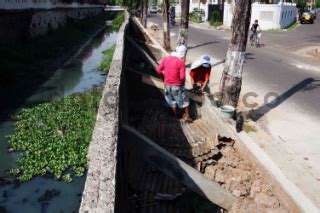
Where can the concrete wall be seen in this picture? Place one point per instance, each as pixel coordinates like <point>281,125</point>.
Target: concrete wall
<point>21,25</point>
<point>100,189</point>
<point>270,16</point>
<point>47,4</point>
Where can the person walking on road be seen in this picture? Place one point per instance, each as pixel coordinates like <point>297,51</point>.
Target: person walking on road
<point>200,74</point>
<point>173,70</point>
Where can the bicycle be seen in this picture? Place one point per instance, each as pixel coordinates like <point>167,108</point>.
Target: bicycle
<point>254,39</point>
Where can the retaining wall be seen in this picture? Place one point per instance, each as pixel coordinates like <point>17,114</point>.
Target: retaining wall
<point>100,188</point>
<point>21,25</point>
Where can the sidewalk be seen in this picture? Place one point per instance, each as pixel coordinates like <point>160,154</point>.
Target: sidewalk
<point>298,177</point>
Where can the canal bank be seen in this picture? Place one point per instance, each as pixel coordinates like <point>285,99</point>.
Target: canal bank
<point>43,194</point>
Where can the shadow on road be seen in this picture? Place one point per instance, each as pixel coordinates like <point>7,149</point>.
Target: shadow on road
<point>305,85</point>
<point>203,44</point>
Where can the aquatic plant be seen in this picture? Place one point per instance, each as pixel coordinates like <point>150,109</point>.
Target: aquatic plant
<point>117,21</point>
<point>53,138</point>
<point>106,59</point>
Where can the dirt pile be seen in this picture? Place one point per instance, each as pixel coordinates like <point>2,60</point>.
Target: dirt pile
<point>246,183</point>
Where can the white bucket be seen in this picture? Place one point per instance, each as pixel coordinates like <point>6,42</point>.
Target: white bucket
<point>227,111</point>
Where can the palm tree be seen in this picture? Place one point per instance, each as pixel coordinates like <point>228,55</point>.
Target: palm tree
<point>231,80</point>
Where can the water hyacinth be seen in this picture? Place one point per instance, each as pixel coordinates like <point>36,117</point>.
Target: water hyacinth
<point>54,137</point>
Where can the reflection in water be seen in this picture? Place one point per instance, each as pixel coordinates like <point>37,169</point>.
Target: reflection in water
<point>77,76</point>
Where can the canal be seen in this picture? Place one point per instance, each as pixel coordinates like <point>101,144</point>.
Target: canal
<point>44,194</point>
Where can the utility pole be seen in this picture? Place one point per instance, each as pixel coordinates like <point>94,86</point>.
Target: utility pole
<point>231,79</point>
<point>166,30</point>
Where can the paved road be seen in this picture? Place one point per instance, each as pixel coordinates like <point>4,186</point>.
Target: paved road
<point>294,122</point>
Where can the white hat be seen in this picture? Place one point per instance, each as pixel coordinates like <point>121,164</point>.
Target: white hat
<point>181,51</point>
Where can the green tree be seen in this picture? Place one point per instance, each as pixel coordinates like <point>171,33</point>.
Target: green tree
<point>301,4</point>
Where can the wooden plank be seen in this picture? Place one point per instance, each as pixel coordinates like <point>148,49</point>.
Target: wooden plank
<point>144,54</point>
<point>158,83</point>
<point>147,150</point>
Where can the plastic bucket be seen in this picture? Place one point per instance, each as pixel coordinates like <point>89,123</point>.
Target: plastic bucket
<point>227,111</point>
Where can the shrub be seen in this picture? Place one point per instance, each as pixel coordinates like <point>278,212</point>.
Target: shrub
<point>215,19</point>
<point>196,15</point>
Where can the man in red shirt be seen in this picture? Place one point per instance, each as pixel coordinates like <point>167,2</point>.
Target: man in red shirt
<point>200,73</point>
<point>173,70</point>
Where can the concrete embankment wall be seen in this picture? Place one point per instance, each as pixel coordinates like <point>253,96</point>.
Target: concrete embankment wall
<point>18,24</point>
<point>100,188</point>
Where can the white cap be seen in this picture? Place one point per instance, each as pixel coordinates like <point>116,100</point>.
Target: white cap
<point>181,51</point>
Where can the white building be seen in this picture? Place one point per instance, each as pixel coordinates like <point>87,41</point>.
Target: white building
<point>197,4</point>
<point>270,16</point>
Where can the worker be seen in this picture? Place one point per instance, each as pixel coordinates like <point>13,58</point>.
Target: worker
<point>173,70</point>
<point>200,74</point>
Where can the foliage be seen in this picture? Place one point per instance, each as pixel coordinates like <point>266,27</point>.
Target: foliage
<point>118,2</point>
<point>215,16</point>
<point>300,3</point>
<point>107,59</point>
<point>54,137</point>
<point>215,19</point>
<point>117,21</point>
<point>196,15</point>
<point>317,4</point>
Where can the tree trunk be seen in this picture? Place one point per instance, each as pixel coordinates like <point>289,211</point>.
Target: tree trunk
<point>184,24</point>
<point>231,80</point>
<point>145,12</point>
<point>141,10</point>
<point>166,30</point>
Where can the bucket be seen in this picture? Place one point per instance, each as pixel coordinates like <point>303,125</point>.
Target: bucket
<point>227,111</point>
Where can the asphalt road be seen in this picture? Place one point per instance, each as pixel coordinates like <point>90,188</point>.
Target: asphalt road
<point>275,67</point>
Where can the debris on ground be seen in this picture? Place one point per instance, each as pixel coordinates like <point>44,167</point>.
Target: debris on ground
<point>246,183</point>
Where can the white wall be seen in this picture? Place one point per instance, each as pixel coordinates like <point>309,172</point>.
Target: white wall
<point>270,16</point>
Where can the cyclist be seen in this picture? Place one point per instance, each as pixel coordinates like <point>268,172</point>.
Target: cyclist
<point>254,36</point>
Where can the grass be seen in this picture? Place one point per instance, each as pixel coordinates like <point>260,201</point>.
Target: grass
<point>108,53</point>
<point>118,20</point>
<point>107,59</point>
<point>249,128</point>
<point>291,28</point>
<point>54,137</point>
